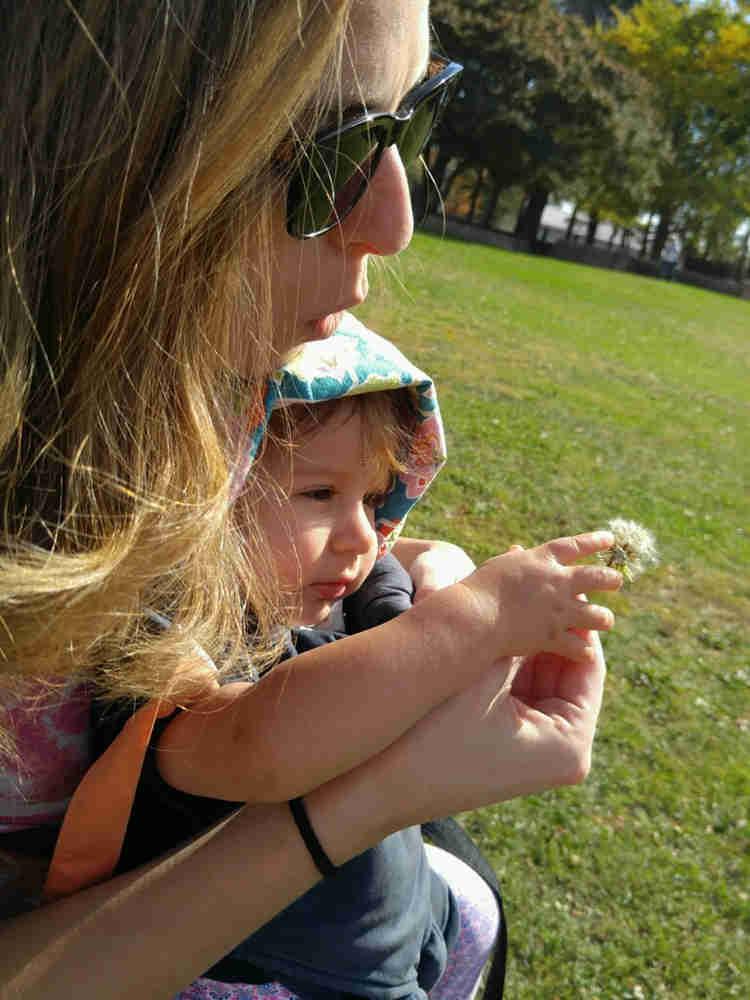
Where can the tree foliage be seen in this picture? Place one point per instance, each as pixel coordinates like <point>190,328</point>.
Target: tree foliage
<point>696,58</point>
<point>628,110</point>
<point>542,103</point>
<point>596,11</point>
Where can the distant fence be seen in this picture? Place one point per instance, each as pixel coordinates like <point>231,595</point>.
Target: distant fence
<point>595,255</point>
<point>624,260</point>
<point>474,234</point>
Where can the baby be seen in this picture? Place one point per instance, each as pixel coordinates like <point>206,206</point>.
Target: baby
<point>387,920</point>
<point>319,507</point>
<point>351,439</point>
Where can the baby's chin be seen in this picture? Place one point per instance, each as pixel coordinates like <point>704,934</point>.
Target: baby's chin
<point>328,616</point>
<point>315,618</point>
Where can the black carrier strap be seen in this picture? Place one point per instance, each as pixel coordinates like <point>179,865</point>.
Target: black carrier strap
<point>451,837</point>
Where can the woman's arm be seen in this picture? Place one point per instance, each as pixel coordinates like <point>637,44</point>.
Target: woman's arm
<point>319,715</point>
<point>523,727</point>
<point>526,726</point>
<point>151,932</point>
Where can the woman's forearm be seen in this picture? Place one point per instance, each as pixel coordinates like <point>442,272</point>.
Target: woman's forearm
<point>321,714</point>
<point>153,931</point>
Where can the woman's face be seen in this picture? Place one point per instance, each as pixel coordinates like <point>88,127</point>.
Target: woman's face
<point>315,279</point>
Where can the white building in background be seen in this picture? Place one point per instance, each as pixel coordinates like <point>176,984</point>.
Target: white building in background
<point>556,217</point>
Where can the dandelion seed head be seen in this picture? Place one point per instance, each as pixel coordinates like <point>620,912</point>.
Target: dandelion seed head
<point>634,550</point>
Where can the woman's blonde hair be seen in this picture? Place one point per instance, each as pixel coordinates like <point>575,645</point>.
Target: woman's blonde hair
<point>137,168</point>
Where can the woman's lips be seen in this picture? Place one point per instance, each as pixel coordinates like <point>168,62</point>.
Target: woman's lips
<point>326,326</point>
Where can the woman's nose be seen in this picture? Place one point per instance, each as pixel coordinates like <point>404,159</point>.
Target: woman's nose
<point>382,220</point>
<point>354,531</point>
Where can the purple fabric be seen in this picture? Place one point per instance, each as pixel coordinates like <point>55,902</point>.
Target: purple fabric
<point>51,727</point>
<point>208,989</point>
<point>479,927</point>
<point>480,923</point>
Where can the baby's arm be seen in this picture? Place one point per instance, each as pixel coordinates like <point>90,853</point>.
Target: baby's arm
<point>319,715</point>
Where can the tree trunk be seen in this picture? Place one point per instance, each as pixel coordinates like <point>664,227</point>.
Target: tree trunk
<point>475,195</point>
<point>450,178</point>
<point>591,228</point>
<point>625,238</point>
<point>743,257</point>
<point>571,222</point>
<point>662,232</point>
<point>646,234</point>
<point>419,188</point>
<point>439,168</point>
<point>531,213</point>
<point>612,236</point>
<point>490,205</point>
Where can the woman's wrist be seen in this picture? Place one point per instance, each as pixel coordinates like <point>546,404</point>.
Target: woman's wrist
<point>355,811</point>
<point>241,873</point>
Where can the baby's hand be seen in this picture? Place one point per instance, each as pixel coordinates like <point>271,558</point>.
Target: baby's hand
<point>535,595</point>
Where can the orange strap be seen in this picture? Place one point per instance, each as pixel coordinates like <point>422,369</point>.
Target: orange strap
<point>91,837</point>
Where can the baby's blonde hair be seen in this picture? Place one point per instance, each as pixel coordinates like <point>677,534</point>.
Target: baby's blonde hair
<point>137,166</point>
<point>387,419</point>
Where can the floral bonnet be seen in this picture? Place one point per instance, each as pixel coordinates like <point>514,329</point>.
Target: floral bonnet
<point>356,360</point>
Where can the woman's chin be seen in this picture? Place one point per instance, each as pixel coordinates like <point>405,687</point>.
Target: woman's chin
<point>324,327</point>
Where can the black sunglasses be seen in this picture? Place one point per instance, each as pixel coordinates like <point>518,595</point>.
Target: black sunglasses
<point>336,168</point>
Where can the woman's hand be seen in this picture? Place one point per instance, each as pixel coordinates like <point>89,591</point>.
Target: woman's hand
<point>432,564</point>
<point>526,726</point>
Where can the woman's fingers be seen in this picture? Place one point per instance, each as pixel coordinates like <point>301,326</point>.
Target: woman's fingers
<point>582,684</point>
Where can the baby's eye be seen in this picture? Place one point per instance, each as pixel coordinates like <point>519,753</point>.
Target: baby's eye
<point>322,493</point>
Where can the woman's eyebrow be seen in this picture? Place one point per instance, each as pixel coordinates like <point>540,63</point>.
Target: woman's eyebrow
<point>356,110</point>
<point>424,74</point>
<point>335,116</point>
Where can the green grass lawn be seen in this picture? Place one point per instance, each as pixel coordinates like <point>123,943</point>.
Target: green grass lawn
<point>572,395</point>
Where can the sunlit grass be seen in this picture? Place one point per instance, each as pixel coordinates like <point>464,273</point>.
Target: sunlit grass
<point>573,395</point>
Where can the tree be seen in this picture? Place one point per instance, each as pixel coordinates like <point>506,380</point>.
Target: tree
<point>696,58</point>
<point>619,169</point>
<point>540,98</point>
<point>596,11</point>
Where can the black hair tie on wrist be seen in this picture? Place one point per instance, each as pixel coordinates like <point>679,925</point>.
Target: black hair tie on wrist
<point>322,862</point>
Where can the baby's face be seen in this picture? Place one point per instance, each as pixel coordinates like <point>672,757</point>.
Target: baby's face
<point>320,521</point>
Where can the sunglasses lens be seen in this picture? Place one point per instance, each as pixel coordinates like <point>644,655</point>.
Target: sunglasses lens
<point>417,132</point>
<point>331,179</point>
<point>335,172</point>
